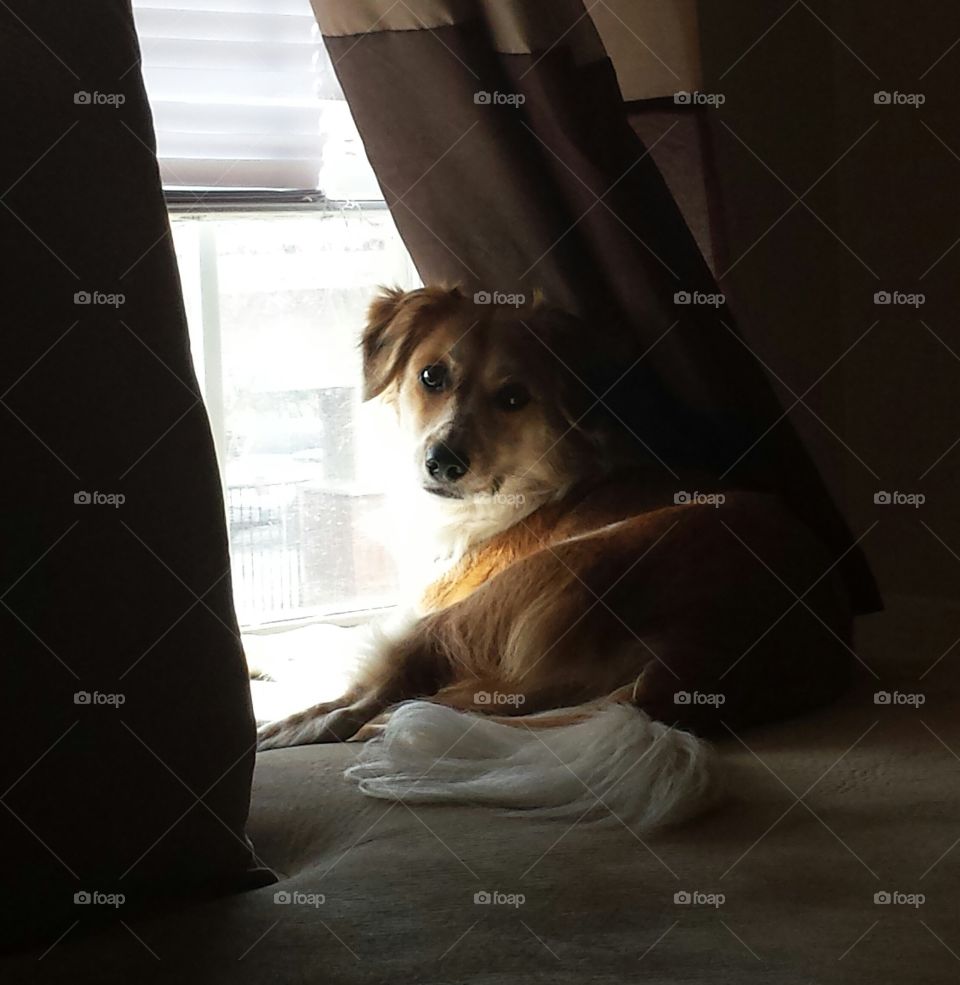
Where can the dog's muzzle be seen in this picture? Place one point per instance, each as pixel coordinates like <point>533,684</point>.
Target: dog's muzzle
<point>445,464</point>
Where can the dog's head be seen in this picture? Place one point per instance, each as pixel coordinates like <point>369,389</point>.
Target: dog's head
<point>491,398</point>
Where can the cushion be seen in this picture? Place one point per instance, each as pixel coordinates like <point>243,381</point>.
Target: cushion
<point>829,818</point>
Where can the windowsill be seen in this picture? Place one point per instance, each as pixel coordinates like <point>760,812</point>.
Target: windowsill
<point>345,619</point>
<point>306,663</point>
<point>253,201</point>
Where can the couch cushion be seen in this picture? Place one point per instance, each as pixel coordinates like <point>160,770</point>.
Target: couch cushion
<point>825,813</point>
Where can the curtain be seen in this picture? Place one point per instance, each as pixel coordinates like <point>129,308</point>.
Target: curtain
<point>500,137</point>
<point>130,747</point>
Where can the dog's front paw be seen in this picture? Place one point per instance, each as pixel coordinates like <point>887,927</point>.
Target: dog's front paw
<point>315,725</point>
<point>276,735</point>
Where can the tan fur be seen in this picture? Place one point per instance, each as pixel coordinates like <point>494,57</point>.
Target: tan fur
<point>596,587</point>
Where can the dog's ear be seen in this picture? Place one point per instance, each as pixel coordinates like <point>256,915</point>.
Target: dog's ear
<point>397,321</point>
<point>378,369</point>
<point>585,362</point>
<point>579,362</point>
<point>616,403</point>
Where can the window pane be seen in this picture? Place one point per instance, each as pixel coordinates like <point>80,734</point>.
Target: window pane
<point>276,304</point>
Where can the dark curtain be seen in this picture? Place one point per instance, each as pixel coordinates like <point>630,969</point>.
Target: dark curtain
<point>129,734</point>
<point>507,156</point>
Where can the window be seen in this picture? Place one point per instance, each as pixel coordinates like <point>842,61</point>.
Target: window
<point>281,236</point>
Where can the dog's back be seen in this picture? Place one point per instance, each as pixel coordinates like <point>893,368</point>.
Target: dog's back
<point>593,605</point>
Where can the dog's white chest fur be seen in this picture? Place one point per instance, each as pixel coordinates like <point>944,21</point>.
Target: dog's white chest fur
<point>435,533</point>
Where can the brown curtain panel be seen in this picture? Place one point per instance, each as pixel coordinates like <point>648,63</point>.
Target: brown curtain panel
<point>500,136</point>
<point>129,733</point>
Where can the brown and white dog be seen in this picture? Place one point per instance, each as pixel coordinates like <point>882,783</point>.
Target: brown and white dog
<point>583,612</point>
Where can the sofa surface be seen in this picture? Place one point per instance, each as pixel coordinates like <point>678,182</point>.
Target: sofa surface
<point>825,813</point>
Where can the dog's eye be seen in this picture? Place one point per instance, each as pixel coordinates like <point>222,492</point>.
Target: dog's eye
<point>434,377</point>
<point>513,396</point>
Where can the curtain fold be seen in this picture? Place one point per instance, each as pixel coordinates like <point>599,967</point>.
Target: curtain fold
<point>504,150</point>
<point>125,696</point>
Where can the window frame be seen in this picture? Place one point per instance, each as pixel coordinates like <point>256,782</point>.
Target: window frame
<point>216,205</point>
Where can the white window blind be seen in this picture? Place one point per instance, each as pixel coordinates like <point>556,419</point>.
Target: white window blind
<point>244,96</point>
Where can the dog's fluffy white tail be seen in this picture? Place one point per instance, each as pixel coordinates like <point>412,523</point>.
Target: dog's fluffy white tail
<point>616,762</point>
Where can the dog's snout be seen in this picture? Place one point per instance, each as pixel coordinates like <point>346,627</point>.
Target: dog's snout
<point>446,464</point>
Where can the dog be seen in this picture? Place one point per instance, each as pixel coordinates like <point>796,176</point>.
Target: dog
<point>590,620</point>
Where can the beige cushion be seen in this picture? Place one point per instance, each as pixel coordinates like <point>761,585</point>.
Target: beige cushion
<point>878,810</point>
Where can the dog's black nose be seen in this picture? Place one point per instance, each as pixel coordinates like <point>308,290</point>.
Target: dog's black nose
<point>445,464</point>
